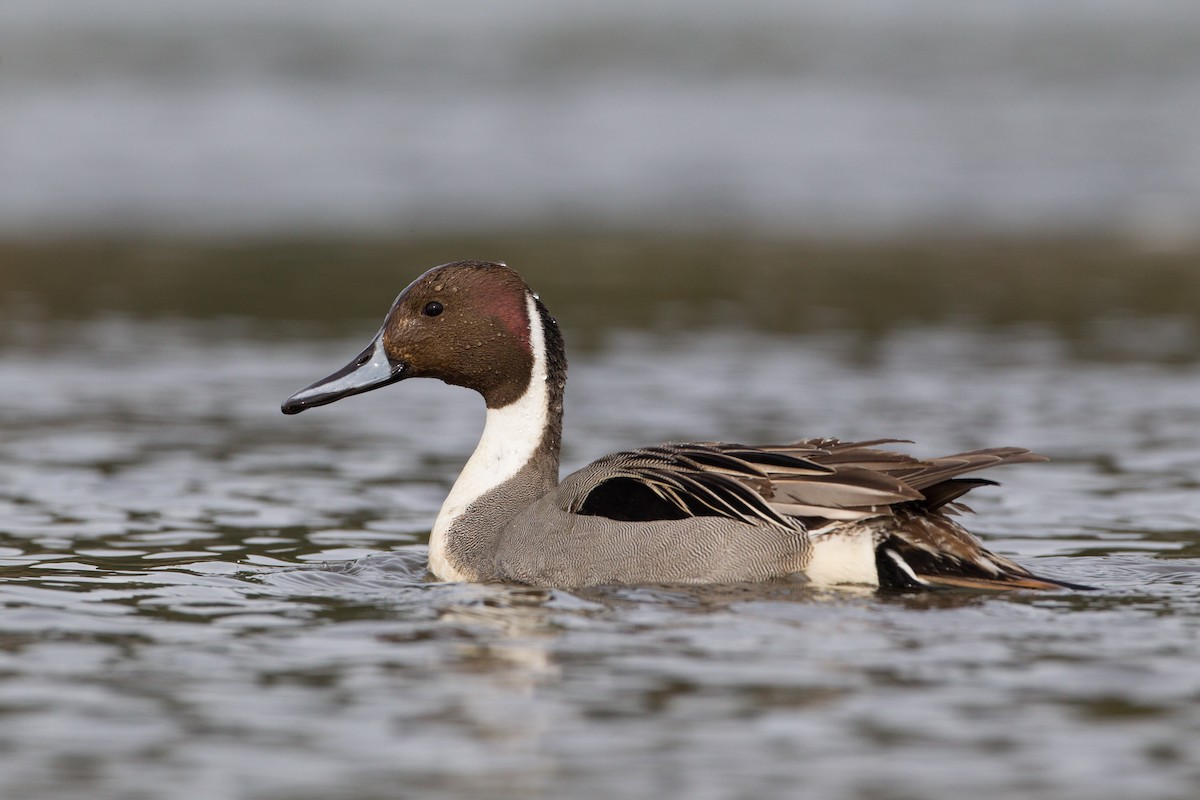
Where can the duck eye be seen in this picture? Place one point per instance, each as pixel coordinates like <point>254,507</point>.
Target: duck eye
<point>432,308</point>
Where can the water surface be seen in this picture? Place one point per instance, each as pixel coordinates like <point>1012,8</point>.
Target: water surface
<point>203,598</point>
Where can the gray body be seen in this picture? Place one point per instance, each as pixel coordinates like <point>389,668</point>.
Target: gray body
<point>530,531</point>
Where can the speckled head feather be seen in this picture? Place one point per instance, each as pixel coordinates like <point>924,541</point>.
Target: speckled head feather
<point>466,324</point>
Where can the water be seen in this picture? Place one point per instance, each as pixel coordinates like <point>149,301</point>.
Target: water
<point>202,598</point>
<point>826,118</point>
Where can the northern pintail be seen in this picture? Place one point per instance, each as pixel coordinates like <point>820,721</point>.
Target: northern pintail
<point>828,511</point>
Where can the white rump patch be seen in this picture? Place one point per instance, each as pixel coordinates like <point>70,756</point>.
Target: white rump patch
<point>845,556</point>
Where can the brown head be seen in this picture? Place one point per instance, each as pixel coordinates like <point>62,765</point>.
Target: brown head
<point>466,323</point>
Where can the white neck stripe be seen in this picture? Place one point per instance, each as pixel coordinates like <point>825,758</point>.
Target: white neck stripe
<point>511,435</point>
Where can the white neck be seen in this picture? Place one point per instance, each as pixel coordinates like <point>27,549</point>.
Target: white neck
<point>511,435</point>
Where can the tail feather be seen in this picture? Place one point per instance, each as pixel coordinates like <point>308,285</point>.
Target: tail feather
<point>1007,583</point>
<point>902,564</point>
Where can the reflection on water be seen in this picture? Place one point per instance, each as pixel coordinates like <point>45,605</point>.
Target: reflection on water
<point>200,597</point>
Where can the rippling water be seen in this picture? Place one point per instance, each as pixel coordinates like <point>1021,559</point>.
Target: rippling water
<point>203,598</point>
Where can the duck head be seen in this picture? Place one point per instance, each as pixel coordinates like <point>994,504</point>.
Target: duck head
<point>466,323</point>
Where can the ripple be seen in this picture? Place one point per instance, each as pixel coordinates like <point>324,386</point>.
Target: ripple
<point>219,594</point>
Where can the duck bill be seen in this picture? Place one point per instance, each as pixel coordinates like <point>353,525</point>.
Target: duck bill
<point>370,370</point>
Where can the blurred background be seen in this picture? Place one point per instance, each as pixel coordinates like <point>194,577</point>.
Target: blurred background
<point>963,223</point>
<point>166,157</point>
<point>864,120</point>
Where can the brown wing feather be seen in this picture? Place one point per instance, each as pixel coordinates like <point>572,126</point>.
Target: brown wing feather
<point>814,479</point>
<point>692,479</point>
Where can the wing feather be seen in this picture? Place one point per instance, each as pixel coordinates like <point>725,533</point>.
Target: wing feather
<point>792,485</point>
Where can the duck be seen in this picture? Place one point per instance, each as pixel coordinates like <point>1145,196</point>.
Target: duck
<point>822,511</point>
